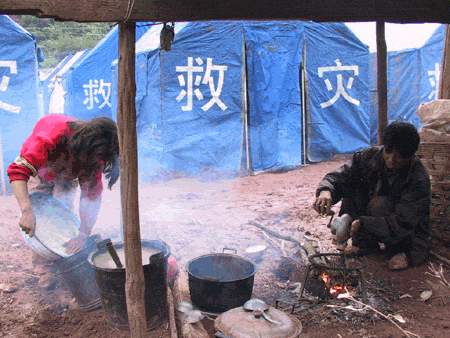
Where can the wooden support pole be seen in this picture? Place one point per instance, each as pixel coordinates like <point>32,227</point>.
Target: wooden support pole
<point>444,92</point>
<point>381,80</point>
<point>126,117</point>
<point>2,168</point>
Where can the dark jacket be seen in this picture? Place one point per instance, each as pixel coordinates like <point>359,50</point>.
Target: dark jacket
<point>408,191</point>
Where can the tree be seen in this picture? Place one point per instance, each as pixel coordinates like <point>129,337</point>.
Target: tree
<point>58,39</point>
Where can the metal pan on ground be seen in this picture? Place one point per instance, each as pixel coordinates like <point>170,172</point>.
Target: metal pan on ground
<point>255,252</point>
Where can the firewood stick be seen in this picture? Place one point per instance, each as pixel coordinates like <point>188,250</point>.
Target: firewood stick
<point>274,233</point>
<point>272,242</point>
<point>277,235</point>
<point>171,309</point>
<point>283,243</point>
<point>176,294</point>
<point>440,258</point>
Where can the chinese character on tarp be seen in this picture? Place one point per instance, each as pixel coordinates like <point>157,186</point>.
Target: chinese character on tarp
<point>97,93</point>
<point>11,67</point>
<point>339,70</point>
<point>196,76</point>
<point>434,77</point>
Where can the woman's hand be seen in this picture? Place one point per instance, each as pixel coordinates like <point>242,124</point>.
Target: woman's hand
<point>323,203</point>
<point>27,222</point>
<point>75,244</point>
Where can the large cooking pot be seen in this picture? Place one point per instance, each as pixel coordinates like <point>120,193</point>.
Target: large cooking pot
<point>221,281</point>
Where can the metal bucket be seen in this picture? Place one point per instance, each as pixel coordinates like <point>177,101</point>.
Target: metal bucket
<point>220,282</point>
<point>79,276</point>
<point>111,282</point>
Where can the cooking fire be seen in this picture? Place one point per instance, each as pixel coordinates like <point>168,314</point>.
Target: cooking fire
<point>330,274</point>
<point>335,288</point>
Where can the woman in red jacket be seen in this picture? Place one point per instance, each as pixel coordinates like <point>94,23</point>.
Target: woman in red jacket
<point>64,152</point>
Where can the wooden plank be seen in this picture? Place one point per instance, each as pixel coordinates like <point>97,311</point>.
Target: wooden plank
<point>381,79</point>
<point>2,168</point>
<point>172,315</point>
<point>126,117</point>
<point>444,92</point>
<point>192,10</point>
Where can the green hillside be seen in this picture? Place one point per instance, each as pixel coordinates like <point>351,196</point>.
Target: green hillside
<point>57,39</point>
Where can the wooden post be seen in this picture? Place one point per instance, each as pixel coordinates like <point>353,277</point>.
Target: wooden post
<point>381,80</point>
<point>2,167</point>
<point>126,117</point>
<point>444,92</point>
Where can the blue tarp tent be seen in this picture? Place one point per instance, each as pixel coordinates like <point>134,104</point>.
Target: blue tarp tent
<point>176,134</point>
<point>274,54</point>
<point>189,102</point>
<point>88,83</point>
<point>192,105</point>
<point>51,85</point>
<point>46,82</point>
<point>18,88</point>
<point>337,65</point>
<point>413,79</point>
<point>431,55</point>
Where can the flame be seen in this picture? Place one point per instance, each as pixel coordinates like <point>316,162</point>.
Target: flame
<point>337,289</point>
<point>326,278</point>
<point>333,289</point>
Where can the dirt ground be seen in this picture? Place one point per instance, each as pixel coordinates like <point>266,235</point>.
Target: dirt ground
<point>196,217</point>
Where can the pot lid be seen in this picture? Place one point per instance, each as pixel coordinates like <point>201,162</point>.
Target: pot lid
<point>238,323</point>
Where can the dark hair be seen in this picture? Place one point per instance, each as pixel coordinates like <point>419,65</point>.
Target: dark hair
<point>402,137</point>
<point>94,142</point>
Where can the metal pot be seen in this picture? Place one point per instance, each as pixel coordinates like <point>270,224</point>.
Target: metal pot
<point>219,282</point>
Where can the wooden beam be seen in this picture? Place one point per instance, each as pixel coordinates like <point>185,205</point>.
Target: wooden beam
<point>444,92</point>
<point>192,10</point>
<point>126,117</point>
<point>381,80</point>
<point>2,168</point>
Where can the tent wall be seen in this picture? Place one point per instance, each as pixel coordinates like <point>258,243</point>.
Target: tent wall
<point>274,51</point>
<point>337,65</point>
<point>413,79</point>
<point>177,135</point>
<point>431,56</point>
<point>189,104</point>
<point>19,108</point>
<point>46,84</point>
<point>88,85</point>
<point>180,136</point>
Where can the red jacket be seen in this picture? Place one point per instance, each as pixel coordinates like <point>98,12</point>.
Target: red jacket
<point>34,156</point>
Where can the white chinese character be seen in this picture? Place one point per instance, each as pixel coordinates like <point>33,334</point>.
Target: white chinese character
<point>340,90</point>
<point>95,88</point>
<point>207,79</point>
<point>434,77</point>
<point>105,92</point>
<point>215,92</point>
<point>4,83</point>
